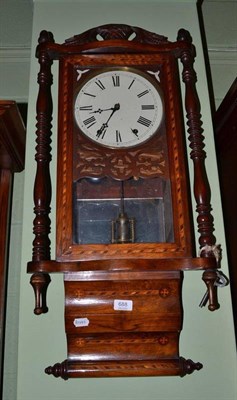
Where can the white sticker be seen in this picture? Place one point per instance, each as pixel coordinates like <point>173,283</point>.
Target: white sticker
<point>78,322</point>
<point>123,305</point>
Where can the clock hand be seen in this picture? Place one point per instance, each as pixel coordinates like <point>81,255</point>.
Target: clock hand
<point>101,110</point>
<point>105,125</point>
<point>135,131</point>
<point>115,108</point>
<point>101,130</point>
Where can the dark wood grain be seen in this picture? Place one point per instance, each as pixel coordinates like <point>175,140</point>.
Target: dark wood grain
<point>167,367</point>
<point>42,185</point>
<point>201,189</point>
<point>136,265</point>
<point>126,346</point>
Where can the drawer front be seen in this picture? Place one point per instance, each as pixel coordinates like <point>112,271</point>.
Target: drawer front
<point>122,322</point>
<point>146,296</point>
<point>123,306</point>
<point>129,346</point>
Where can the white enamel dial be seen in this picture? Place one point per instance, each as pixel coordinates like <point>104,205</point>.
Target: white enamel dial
<point>118,108</point>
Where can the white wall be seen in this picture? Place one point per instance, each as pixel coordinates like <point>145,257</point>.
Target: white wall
<point>206,337</point>
<point>220,20</point>
<point>15,43</point>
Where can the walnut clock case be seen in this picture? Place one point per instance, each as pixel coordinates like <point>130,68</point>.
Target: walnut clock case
<point>124,232</point>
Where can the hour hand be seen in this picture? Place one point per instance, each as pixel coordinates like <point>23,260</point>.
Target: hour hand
<point>97,111</point>
<point>100,110</point>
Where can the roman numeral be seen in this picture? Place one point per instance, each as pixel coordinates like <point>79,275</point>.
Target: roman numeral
<point>118,137</point>
<point>143,93</point>
<point>89,94</point>
<point>148,107</point>
<point>89,121</point>
<point>116,80</point>
<point>144,121</point>
<point>85,108</point>
<point>129,87</point>
<point>100,84</point>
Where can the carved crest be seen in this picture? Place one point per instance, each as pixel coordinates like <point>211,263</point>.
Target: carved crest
<point>116,31</point>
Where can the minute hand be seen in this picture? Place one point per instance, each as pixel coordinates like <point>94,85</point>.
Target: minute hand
<point>115,108</point>
<point>105,125</point>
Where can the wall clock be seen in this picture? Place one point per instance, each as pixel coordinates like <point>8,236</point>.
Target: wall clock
<point>124,230</point>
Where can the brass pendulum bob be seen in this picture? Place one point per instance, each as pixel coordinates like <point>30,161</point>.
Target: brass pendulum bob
<point>123,228</point>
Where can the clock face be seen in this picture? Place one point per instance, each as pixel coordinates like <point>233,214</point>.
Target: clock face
<point>118,108</point>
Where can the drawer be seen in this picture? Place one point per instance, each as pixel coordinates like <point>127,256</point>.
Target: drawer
<point>130,346</point>
<point>123,306</point>
<point>149,296</point>
<point>122,322</point>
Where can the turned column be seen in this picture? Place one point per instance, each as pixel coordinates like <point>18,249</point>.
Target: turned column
<point>42,186</point>
<point>201,187</point>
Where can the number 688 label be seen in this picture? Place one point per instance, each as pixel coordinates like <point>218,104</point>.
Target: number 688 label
<point>123,305</point>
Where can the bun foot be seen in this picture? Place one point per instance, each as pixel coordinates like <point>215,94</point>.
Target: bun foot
<point>58,370</point>
<point>188,366</point>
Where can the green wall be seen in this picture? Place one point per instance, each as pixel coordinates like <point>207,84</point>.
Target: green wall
<point>206,337</point>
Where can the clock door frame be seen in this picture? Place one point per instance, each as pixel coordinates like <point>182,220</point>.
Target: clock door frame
<point>166,64</point>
